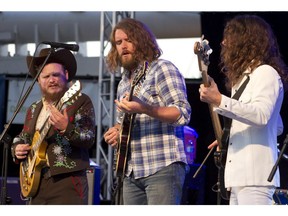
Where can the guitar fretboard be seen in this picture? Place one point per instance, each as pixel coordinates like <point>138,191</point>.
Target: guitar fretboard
<point>46,127</point>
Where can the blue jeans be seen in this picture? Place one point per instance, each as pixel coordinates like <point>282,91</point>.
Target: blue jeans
<point>162,188</point>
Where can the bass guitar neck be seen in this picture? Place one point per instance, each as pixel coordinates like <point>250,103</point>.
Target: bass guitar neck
<point>203,50</point>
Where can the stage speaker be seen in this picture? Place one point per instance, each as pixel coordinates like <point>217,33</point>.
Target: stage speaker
<point>93,176</point>
<point>13,191</point>
<point>194,188</point>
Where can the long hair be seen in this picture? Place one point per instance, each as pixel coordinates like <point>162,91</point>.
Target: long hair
<point>146,47</point>
<point>248,41</point>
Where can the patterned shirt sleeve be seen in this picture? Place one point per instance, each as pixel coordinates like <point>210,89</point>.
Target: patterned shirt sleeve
<point>81,127</point>
<point>172,88</point>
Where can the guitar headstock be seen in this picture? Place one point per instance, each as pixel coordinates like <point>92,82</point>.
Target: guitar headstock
<point>73,92</point>
<point>140,74</point>
<point>202,50</point>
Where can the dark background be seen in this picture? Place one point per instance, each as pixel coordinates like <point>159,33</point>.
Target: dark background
<point>212,27</point>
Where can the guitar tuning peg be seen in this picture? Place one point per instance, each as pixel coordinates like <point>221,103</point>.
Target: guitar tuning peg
<point>202,37</point>
<point>206,47</point>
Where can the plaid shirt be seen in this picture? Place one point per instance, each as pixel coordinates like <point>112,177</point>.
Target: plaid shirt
<point>155,144</point>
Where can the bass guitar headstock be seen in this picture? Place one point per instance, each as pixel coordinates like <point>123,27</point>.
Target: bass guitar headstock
<point>203,51</point>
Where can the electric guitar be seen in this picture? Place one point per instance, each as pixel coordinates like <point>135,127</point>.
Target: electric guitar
<point>30,168</point>
<point>203,50</point>
<point>126,128</point>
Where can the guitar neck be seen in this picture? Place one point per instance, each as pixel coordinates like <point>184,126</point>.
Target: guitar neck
<point>131,93</point>
<point>216,125</point>
<point>46,127</point>
<point>214,116</point>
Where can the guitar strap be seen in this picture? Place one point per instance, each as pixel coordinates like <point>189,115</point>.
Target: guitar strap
<point>228,121</point>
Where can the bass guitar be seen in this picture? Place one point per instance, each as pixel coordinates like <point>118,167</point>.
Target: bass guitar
<point>203,50</point>
<point>30,168</point>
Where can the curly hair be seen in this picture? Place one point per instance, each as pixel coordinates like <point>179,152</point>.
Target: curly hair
<point>248,41</point>
<point>146,47</point>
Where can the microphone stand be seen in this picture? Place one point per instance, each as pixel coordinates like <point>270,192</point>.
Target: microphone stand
<point>7,140</point>
<point>272,173</point>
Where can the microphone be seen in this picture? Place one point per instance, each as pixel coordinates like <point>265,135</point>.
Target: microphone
<point>72,47</point>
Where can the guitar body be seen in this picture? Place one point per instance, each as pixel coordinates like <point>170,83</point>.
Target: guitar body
<point>220,160</point>
<point>122,148</point>
<point>30,169</point>
<point>221,154</point>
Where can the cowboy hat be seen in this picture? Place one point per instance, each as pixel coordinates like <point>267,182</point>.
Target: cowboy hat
<point>61,56</point>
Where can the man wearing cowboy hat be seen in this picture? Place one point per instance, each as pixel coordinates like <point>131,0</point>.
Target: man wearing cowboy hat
<point>69,130</point>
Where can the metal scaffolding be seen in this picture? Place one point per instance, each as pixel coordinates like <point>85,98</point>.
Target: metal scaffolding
<point>105,105</point>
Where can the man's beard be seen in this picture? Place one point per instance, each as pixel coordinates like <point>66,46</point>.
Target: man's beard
<point>129,64</point>
<point>54,96</point>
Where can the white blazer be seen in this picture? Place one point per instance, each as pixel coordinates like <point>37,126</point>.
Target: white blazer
<point>252,149</point>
